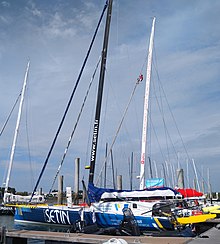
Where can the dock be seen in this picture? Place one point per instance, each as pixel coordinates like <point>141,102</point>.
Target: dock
<point>211,236</point>
<point>22,236</point>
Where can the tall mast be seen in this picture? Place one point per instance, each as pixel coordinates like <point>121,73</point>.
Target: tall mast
<point>17,128</point>
<point>99,96</point>
<point>209,185</point>
<point>146,102</point>
<point>197,181</point>
<point>131,171</point>
<point>113,171</point>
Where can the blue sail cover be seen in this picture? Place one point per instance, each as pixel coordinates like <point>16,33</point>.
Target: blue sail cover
<point>95,194</point>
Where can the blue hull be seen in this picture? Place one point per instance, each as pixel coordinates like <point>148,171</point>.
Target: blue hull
<point>145,223</point>
<point>51,215</point>
<point>64,216</point>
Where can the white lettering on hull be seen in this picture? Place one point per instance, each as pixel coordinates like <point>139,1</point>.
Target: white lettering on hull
<point>57,216</point>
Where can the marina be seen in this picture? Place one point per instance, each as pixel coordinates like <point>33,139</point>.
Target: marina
<point>170,202</point>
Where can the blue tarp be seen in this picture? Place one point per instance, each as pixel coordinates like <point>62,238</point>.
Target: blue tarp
<point>95,193</point>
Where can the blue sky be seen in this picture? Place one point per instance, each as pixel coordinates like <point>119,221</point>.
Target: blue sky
<point>55,36</point>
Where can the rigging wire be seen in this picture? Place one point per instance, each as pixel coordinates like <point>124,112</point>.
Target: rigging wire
<point>28,142</point>
<point>139,79</point>
<point>6,122</point>
<point>118,106</point>
<point>70,100</point>
<point>75,126</point>
<point>4,126</point>
<point>175,123</point>
<point>120,124</point>
<point>161,151</point>
<point>166,130</point>
<point>162,112</point>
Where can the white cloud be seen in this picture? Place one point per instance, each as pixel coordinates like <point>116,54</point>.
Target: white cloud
<point>31,7</point>
<point>4,19</point>
<point>59,27</point>
<point>5,4</point>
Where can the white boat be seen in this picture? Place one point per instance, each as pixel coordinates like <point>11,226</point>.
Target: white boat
<point>108,211</point>
<point>148,211</point>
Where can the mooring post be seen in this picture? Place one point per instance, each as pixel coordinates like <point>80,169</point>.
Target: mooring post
<point>119,182</point>
<point>3,234</point>
<point>60,190</point>
<point>76,184</point>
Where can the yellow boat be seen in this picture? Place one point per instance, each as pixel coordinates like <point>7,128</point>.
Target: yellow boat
<point>193,219</point>
<point>212,210</point>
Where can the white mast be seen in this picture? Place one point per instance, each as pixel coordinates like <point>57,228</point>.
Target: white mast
<point>146,101</point>
<point>194,166</point>
<point>187,171</point>
<point>16,128</point>
<point>209,185</point>
<point>156,171</point>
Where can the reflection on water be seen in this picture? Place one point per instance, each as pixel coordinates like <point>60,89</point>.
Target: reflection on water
<point>8,222</point>
<point>20,226</point>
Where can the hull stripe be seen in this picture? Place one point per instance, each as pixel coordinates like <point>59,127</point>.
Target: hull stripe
<point>158,223</point>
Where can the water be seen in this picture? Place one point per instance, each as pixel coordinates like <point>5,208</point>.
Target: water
<point>8,221</point>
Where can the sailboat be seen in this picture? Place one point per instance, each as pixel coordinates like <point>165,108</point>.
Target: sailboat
<point>69,215</point>
<point>10,199</point>
<point>111,208</point>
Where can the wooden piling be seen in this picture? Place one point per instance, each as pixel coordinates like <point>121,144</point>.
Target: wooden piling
<point>76,183</point>
<point>119,182</point>
<point>60,190</point>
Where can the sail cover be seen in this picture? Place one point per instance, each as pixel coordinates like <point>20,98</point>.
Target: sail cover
<point>96,194</point>
<point>189,192</point>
